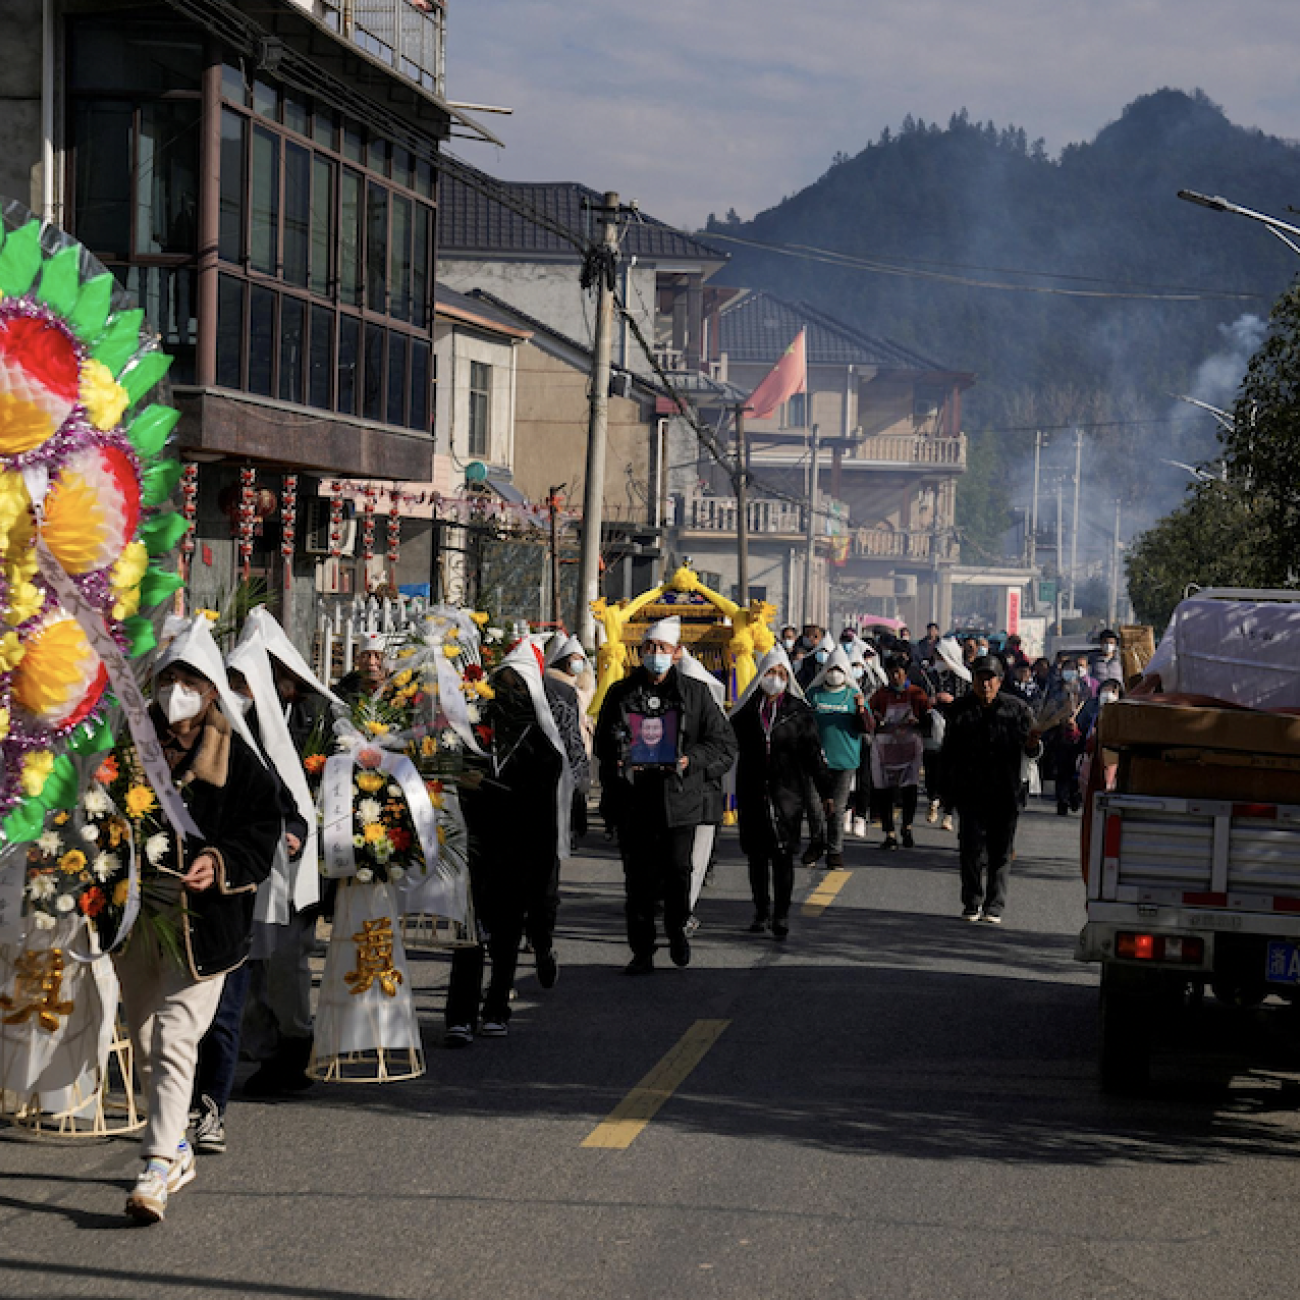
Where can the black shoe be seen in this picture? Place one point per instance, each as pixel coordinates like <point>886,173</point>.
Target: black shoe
<point>908,841</point>
<point>889,842</point>
<point>268,1080</point>
<point>759,923</point>
<point>679,949</point>
<point>640,966</point>
<point>458,1036</point>
<point>780,927</point>
<point>1062,810</point>
<point>548,968</point>
<point>812,853</point>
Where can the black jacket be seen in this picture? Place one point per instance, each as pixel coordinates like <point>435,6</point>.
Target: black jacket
<point>703,737</point>
<point>982,753</point>
<point>770,780</point>
<point>235,802</point>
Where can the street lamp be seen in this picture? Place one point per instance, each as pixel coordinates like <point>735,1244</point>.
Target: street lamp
<point>1217,204</point>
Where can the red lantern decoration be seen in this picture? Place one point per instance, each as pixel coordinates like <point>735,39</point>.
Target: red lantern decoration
<point>395,527</point>
<point>288,515</point>
<point>336,520</point>
<point>189,506</point>
<point>246,516</point>
<point>368,526</point>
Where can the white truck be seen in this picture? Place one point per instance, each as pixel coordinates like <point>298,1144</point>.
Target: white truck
<point>1192,856</point>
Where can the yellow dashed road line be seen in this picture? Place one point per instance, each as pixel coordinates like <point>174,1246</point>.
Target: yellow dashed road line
<point>824,895</point>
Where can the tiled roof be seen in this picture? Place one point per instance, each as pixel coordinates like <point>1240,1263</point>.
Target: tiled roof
<point>759,327</point>
<point>471,222</point>
<point>458,305</point>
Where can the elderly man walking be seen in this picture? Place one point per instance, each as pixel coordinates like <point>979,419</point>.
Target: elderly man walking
<point>989,735</point>
<point>660,740</point>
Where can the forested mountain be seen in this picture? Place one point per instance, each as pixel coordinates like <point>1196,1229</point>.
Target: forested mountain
<point>1123,292</point>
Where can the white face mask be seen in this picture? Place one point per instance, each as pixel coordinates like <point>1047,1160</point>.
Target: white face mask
<point>771,685</point>
<point>835,677</point>
<point>576,665</point>
<point>179,702</point>
<point>859,671</point>
<point>788,643</point>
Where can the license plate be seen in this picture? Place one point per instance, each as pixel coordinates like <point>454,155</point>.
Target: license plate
<point>1283,964</point>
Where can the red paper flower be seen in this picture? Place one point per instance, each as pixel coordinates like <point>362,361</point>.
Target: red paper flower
<point>45,352</point>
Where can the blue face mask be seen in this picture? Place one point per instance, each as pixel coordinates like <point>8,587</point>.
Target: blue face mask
<point>1069,674</point>
<point>657,664</point>
<point>822,655</point>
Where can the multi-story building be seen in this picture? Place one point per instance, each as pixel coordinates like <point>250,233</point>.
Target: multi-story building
<point>260,174</point>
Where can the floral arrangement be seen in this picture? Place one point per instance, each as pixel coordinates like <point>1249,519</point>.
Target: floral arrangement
<point>78,866</point>
<point>82,469</point>
<point>383,834</point>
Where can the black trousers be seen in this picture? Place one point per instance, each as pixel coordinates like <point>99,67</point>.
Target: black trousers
<point>656,864</point>
<point>906,796</point>
<point>985,838</point>
<point>775,867</point>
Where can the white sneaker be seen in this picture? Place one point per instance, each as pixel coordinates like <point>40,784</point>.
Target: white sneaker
<point>860,828</point>
<point>148,1200</point>
<point>182,1169</point>
<point>933,815</point>
<point>946,824</point>
<point>848,822</point>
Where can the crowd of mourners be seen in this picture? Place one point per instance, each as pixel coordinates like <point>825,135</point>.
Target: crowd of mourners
<point>830,737</point>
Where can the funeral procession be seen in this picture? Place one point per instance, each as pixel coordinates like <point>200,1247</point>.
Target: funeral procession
<point>648,657</point>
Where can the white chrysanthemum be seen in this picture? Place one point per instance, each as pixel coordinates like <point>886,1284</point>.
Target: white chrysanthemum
<point>394,791</point>
<point>50,844</point>
<point>364,875</point>
<point>382,850</point>
<point>40,887</point>
<point>65,903</point>
<point>89,833</point>
<point>155,848</point>
<point>369,811</point>
<point>358,841</point>
<point>495,634</point>
<point>43,921</point>
<point>106,864</point>
<point>448,739</point>
<point>395,872</point>
<point>96,802</point>
<point>472,712</point>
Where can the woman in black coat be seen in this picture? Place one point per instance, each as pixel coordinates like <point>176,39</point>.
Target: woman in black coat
<point>779,745</point>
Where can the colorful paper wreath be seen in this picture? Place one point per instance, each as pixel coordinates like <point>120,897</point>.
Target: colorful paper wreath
<point>77,430</point>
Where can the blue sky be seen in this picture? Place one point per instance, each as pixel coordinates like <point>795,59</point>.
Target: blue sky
<point>695,106</point>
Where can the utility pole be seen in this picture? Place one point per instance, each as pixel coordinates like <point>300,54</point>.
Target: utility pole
<point>553,505</point>
<point>1074,524</point>
<point>741,479</point>
<point>1112,605</point>
<point>1033,510</point>
<point>599,267</point>
<point>808,612</point>
<point>1060,551</point>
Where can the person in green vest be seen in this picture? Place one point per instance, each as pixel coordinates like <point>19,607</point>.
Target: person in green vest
<point>842,721</point>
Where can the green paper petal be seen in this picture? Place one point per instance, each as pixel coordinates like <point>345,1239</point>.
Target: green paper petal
<point>156,586</point>
<point>120,341</point>
<point>25,822</point>
<point>150,429</point>
<point>144,374</point>
<point>61,280</point>
<point>92,738</point>
<point>20,259</point>
<point>88,316</point>
<point>161,533</point>
<point>140,636</point>
<point>62,787</point>
<point>160,480</point>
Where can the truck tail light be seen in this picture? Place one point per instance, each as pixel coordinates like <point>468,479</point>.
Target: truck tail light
<point>1160,947</point>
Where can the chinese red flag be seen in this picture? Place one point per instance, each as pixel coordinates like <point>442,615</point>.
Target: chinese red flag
<point>788,377</point>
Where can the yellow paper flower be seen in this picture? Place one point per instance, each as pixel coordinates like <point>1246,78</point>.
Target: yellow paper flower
<point>14,502</point>
<point>480,619</point>
<point>20,552</point>
<point>25,600</point>
<point>442,834</point>
<point>402,678</point>
<point>451,651</point>
<point>104,398</point>
<point>212,615</point>
<point>36,769</point>
<point>130,567</point>
<point>72,862</point>
<point>375,728</point>
<point>140,799</point>
<point>371,782</point>
<point>11,651</point>
<point>4,723</point>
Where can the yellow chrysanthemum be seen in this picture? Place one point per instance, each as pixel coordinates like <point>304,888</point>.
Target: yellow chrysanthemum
<point>371,782</point>
<point>479,618</point>
<point>36,771</point>
<point>140,799</point>
<point>104,398</point>
<point>428,747</point>
<point>442,835</point>
<point>72,862</point>
<point>121,892</point>
<point>373,833</point>
<point>402,678</point>
<point>376,728</point>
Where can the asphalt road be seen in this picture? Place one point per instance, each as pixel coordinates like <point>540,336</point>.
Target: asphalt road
<point>899,1104</point>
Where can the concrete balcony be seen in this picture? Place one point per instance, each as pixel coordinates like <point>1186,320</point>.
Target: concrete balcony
<point>891,544</point>
<point>883,451</point>
<point>408,35</point>
<point>704,514</point>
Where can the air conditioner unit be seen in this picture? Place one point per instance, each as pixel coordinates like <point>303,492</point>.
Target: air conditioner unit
<point>904,586</point>
<point>620,384</point>
<point>315,531</point>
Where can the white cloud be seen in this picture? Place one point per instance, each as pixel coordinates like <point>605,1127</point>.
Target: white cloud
<point>692,109</point>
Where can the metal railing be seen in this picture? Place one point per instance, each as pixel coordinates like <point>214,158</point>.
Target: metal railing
<point>719,514</point>
<point>408,35</point>
<point>892,544</point>
<point>908,449</point>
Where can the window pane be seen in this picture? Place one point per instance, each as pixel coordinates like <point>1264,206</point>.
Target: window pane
<point>233,85</point>
<point>419,413</point>
<point>424,178</point>
<point>326,129</point>
<point>297,116</point>
<point>353,143</point>
<point>399,271</point>
<point>350,240</point>
<point>480,398</point>
<point>167,179</point>
<point>372,404</point>
<point>141,57</point>
<point>230,243</point>
<point>230,332</point>
<point>396,378</point>
<point>349,357</point>
<point>266,99</point>
<point>102,211</point>
<point>320,376</point>
<point>376,246</point>
<point>402,165</point>
<point>261,339</point>
<point>297,212</point>
<point>377,156</point>
<point>293,321</point>
<point>421,251</point>
<point>265,240</point>
<point>322,223</point>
